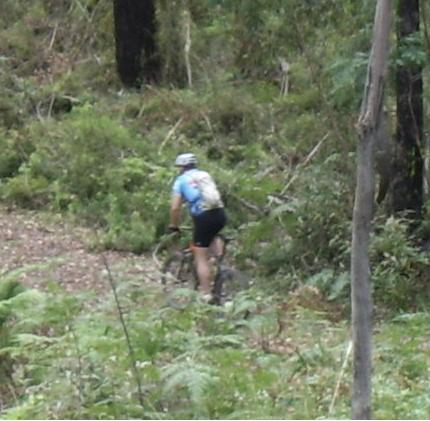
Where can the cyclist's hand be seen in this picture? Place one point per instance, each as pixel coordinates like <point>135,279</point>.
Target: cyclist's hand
<point>174,230</point>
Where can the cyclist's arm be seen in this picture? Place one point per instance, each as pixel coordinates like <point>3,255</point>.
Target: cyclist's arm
<point>175,210</point>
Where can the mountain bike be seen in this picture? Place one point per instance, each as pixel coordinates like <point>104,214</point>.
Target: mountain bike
<point>180,280</point>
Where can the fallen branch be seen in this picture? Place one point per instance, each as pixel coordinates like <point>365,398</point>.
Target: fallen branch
<point>51,104</point>
<point>248,205</point>
<point>155,254</point>
<point>38,112</point>
<point>208,123</point>
<point>169,135</point>
<point>304,163</point>
<point>54,34</point>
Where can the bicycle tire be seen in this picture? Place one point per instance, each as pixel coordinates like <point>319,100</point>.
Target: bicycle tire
<point>217,290</point>
<point>179,280</point>
<point>231,283</point>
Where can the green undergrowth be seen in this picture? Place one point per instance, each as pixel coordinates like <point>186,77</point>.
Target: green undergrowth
<point>66,357</point>
<point>76,142</point>
<point>108,164</point>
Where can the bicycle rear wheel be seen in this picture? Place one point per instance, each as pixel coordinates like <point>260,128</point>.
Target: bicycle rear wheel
<point>229,282</point>
<point>179,279</point>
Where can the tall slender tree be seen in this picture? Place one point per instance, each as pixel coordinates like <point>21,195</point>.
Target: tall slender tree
<point>370,120</point>
<point>135,38</point>
<point>408,184</point>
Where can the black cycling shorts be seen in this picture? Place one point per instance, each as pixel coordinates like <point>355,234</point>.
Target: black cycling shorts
<point>207,225</point>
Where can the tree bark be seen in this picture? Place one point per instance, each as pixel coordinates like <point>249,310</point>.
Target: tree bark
<point>136,48</point>
<point>408,184</point>
<point>361,297</point>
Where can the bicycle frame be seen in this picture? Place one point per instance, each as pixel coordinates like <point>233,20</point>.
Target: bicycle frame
<point>183,256</point>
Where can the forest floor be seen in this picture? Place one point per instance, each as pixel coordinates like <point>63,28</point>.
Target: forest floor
<point>42,250</point>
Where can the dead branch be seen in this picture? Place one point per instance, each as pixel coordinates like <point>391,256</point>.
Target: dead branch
<point>248,205</point>
<point>51,104</point>
<point>169,135</point>
<point>208,122</point>
<point>54,34</point>
<point>38,113</point>
<point>285,69</point>
<point>312,153</point>
<point>155,255</point>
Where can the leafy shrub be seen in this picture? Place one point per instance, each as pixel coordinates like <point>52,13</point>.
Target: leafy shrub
<point>20,36</point>
<point>27,191</point>
<point>333,286</point>
<point>317,222</point>
<point>10,113</point>
<point>236,120</point>
<point>400,276</point>
<point>9,288</point>
<point>348,76</point>
<point>93,167</point>
<point>10,158</point>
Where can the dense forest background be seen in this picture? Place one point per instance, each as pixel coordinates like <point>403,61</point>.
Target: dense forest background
<point>267,95</point>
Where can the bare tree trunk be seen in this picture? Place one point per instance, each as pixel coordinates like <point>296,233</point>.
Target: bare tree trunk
<point>361,297</point>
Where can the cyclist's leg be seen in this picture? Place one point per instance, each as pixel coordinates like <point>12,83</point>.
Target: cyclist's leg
<point>201,240</point>
<point>203,269</point>
<point>216,247</point>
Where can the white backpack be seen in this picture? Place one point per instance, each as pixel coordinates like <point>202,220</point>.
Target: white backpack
<point>211,198</point>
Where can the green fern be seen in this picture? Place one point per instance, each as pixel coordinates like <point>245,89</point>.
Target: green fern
<point>9,288</point>
<point>190,376</point>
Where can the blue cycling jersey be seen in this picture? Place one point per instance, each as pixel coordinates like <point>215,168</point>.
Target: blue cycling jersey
<point>188,189</point>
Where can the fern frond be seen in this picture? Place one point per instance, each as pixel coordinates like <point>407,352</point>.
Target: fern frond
<point>9,287</point>
<point>30,340</point>
<point>29,297</point>
<point>194,377</point>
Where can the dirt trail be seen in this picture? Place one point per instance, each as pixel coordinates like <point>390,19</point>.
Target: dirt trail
<point>41,250</point>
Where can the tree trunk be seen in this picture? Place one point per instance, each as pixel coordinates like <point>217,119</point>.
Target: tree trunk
<point>136,50</point>
<point>361,299</point>
<point>408,185</point>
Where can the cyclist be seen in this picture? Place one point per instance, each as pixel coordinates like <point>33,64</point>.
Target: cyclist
<point>197,188</point>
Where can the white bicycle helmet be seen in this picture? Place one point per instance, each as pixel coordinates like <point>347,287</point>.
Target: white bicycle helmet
<point>185,159</point>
